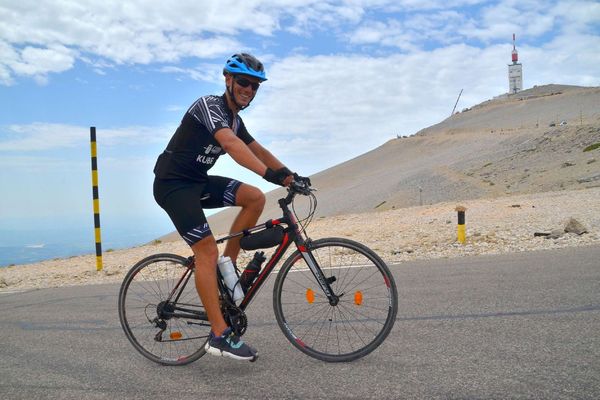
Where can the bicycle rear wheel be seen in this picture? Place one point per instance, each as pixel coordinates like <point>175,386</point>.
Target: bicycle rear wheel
<point>358,323</point>
<point>153,290</point>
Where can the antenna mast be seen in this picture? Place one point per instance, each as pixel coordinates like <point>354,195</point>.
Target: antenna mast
<point>455,104</point>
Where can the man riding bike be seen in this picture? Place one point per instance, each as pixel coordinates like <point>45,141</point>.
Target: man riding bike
<point>212,127</point>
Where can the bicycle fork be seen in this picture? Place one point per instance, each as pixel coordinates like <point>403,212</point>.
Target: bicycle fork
<point>324,283</point>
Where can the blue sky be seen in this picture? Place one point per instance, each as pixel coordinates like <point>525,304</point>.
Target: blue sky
<point>344,78</point>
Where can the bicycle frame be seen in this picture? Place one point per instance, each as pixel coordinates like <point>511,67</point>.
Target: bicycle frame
<point>292,234</point>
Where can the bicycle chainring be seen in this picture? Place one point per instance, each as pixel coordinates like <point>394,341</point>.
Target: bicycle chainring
<point>236,319</point>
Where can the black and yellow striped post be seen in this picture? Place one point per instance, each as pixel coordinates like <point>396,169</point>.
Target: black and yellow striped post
<point>461,229</point>
<point>96,200</point>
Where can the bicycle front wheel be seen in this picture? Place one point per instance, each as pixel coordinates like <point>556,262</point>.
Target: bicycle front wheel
<point>361,319</point>
<point>160,310</point>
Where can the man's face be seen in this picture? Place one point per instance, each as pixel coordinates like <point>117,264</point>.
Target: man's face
<point>244,88</point>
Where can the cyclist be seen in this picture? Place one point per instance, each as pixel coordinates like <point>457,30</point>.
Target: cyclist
<point>212,127</point>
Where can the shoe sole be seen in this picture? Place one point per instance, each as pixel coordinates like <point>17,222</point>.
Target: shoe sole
<point>220,353</point>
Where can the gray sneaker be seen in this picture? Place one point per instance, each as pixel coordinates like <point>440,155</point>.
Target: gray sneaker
<point>229,345</point>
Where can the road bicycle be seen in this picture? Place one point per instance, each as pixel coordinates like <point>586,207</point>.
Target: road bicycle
<point>334,299</point>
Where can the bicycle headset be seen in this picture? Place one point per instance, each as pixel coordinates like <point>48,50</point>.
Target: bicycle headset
<point>244,64</point>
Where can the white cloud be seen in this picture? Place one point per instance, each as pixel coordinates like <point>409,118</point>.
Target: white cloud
<point>211,73</point>
<point>530,19</point>
<point>568,59</point>
<point>412,27</point>
<point>36,61</point>
<point>33,61</point>
<point>8,56</point>
<point>390,33</point>
<point>40,137</point>
<point>49,39</point>
<point>411,33</point>
<point>367,100</point>
<point>578,16</point>
<point>113,32</point>
<point>36,137</point>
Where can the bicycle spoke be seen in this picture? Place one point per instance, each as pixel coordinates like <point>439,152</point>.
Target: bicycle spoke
<point>347,328</point>
<point>312,317</point>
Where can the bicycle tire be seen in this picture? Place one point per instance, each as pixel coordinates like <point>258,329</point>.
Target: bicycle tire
<point>364,316</point>
<point>146,286</point>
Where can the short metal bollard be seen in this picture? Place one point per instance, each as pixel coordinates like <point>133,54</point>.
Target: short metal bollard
<point>461,228</point>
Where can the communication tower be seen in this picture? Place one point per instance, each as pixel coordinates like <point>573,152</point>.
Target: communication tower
<point>515,72</point>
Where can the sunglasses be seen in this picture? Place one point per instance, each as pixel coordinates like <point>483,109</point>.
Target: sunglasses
<point>243,82</point>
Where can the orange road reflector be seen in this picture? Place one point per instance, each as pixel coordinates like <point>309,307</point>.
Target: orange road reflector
<point>358,298</point>
<point>310,296</point>
<point>175,335</point>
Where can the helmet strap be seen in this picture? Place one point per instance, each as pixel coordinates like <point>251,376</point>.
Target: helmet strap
<point>230,91</point>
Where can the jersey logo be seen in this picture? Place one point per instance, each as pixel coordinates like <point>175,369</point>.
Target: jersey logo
<point>208,157</point>
<point>211,149</point>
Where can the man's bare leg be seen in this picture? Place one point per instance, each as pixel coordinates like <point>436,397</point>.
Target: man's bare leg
<point>252,201</point>
<point>206,253</point>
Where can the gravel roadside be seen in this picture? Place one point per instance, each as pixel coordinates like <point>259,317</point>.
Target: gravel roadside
<point>493,226</point>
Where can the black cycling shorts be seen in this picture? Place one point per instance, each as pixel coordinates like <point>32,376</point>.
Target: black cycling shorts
<point>184,201</point>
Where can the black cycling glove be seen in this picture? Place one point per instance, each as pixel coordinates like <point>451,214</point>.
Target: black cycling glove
<point>302,179</point>
<point>278,176</point>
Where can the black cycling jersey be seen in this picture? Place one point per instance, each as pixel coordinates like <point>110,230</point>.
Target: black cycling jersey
<point>181,183</point>
<point>193,149</point>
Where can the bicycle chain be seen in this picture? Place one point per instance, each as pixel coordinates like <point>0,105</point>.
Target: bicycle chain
<point>236,319</point>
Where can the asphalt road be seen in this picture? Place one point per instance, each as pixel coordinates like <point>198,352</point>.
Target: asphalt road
<point>524,325</point>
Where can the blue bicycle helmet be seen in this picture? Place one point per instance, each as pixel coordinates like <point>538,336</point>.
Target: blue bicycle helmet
<point>245,64</point>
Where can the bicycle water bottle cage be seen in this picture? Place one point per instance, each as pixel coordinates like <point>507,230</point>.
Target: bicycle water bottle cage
<point>264,239</point>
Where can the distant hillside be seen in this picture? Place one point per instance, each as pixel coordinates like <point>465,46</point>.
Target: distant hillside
<point>510,144</point>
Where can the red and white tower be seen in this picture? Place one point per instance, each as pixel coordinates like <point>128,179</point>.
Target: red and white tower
<point>515,72</point>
